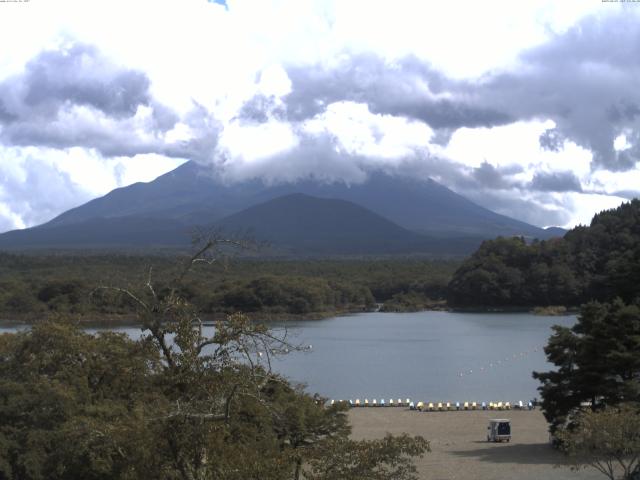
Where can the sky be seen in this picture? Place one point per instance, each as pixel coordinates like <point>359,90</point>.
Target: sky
<point>528,108</point>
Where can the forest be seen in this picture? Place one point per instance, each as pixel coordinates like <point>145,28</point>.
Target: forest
<point>597,262</point>
<point>36,286</point>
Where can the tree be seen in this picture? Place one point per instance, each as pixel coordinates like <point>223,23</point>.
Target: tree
<point>74,405</point>
<point>597,360</point>
<point>599,262</point>
<point>607,440</point>
<point>389,458</point>
<point>176,404</point>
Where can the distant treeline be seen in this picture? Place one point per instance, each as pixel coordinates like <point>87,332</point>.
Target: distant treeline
<point>598,262</point>
<point>36,286</point>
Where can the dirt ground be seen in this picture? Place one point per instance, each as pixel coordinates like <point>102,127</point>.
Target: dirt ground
<point>459,449</point>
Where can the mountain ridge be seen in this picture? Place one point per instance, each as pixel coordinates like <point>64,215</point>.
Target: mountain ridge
<point>190,196</point>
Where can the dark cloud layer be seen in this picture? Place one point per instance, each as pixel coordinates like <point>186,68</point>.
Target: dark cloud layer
<point>407,88</point>
<point>81,77</point>
<point>555,182</point>
<point>75,97</point>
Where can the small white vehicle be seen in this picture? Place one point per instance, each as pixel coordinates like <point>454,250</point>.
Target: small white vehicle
<point>499,429</point>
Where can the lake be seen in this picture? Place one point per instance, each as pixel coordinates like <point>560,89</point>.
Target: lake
<point>430,356</point>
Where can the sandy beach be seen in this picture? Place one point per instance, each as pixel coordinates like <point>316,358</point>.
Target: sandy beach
<point>459,449</point>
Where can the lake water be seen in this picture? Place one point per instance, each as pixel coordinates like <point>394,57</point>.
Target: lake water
<point>430,356</point>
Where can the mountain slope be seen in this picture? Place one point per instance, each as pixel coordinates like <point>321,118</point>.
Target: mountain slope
<point>308,224</point>
<point>100,232</point>
<point>292,224</point>
<point>191,196</point>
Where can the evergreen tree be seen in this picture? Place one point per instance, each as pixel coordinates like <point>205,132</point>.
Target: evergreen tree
<point>597,360</point>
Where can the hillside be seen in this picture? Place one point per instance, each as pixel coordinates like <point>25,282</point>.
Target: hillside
<point>308,224</point>
<point>598,262</point>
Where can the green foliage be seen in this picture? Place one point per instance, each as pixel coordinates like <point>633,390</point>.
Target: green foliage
<point>36,286</point>
<point>175,404</point>
<point>72,404</point>
<point>389,458</point>
<point>599,262</point>
<point>597,361</point>
<point>607,440</point>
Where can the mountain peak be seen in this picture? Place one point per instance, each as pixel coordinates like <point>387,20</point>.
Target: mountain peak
<point>189,196</point>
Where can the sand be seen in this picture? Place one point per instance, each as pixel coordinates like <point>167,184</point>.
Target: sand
<point>459,449</point>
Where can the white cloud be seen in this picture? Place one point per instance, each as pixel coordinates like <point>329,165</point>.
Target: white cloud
<point>361,133</point>
<point>585,206</point>
<point>253,142</point>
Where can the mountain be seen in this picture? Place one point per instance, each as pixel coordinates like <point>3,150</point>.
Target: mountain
<point>191,194</point>
<point>555,231</point>
<point>308,224</point>
<point>292,224</point>
<point>161,212</point>
<point>100,232</point>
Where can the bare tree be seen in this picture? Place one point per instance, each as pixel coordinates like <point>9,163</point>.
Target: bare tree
<point>204,373</point>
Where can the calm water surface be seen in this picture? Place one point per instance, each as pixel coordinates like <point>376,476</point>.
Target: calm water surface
<point>430,356</point>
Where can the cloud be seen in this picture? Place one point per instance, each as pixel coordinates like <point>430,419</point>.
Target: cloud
<point>555,182</point>
<point>408,88</point>
<point>584,80</point>
<point>576,79</point>
<point>75,97</point>
<point>80,76</point>
<point>551,140</point>
<point>343,143</point>
<point>34,190</point>
<point>488,176</point>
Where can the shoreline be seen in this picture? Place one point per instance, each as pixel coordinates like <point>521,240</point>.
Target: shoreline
<point>130,320</point>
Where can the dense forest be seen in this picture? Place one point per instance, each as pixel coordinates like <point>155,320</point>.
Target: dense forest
<point>37,286</point>
<point>175,404</point>
<point>598,262</point>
